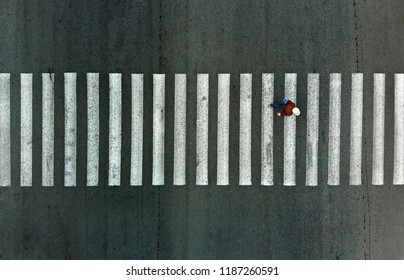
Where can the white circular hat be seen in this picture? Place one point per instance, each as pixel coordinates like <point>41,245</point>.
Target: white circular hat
<point>296,111</point>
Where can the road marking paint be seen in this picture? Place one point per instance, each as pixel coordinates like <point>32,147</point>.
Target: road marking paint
<point>398,178</point>
<point>26,129</point>
<point>158,128</point>
<point>267,133</point>
<point>289,164</point>
<point>179,178</point>
<point>223,115</point>
<point>180,109</point>
<point>313,95</point>
<point>202,128</point>
<point>93,122</point>
<point>48,108</point>
<point>378,129</point>
<point>115,128</point>
<point>137,131</point>
<point>70,129</point>
<point>245,128</point>
<point>334,130</point>
<point>356,129</point>
<point>5,140</point>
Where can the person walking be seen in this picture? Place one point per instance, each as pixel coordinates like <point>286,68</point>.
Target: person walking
<point>289,108</point>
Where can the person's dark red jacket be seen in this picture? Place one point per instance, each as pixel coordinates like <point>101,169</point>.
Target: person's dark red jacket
<point>287,109</point>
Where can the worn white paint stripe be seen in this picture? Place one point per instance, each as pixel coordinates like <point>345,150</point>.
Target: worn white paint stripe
<point>223,115</point>
<point>313,95</point>
<point>334,130</point>
<point>398,175</point>
<point>245,128</point>
<point>48,129</point>
<point>115,129</point>
<point>93,122</point>
<point>355,177</point>
<point>267,133</point>
<point>289,159</point>
<point>202,122</point>
<point>5,140</point>
<point>378,129</point>
<point>158,128</point>
<point>70,129</point>
<point>137,131</point>
<point>26,129</point>
<point>180,110</point>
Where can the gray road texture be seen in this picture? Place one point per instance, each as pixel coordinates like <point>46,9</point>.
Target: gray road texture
<point>202,222</point>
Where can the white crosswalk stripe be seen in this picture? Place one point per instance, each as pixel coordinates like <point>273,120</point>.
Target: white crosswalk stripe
<point>26,129</point>
<point>5,137</point>
<point>158,128</point>
<point>48,108</point>
<point>202,128</point>
<point>289,158</point>
<point>179,161</point>
<point>180,111</point>
<point>398,175</point>
<point>93,128</point>
<point>355,173</point>
<point>378,129</point>
<point>136,176</point>
<point>70,129</point>
<point>334,139</point>
<point>223,115</point>
<point>115,129</point>
<point>245,128</point>
<point>267,118</point>
<point>313,92</point>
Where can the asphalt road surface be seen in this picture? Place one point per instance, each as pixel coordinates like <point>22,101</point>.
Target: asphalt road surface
<point>192,221</point>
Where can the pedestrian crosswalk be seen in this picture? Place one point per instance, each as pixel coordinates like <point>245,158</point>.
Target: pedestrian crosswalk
<point>180,160</point>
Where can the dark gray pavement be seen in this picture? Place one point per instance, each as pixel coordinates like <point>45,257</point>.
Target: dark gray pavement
<point>202,222</point>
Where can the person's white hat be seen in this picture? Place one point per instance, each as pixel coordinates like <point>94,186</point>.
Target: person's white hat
<point>296,111</point>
